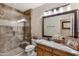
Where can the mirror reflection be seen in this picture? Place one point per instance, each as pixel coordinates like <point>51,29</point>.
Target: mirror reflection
<point>63,24</point>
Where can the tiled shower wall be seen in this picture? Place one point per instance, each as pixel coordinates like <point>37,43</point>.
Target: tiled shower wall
<point>11,33</point>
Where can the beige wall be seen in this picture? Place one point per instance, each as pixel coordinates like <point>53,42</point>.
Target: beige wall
<point>36,22</point>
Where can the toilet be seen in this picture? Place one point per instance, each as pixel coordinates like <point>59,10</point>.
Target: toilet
<point>29,49</point>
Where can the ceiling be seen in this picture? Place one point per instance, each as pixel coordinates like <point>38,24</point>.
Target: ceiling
<point>24,6</point>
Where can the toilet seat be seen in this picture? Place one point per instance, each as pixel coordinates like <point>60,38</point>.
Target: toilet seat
<point>29,48</point>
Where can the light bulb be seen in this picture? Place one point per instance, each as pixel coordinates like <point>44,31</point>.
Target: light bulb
<point>45,14</point>
<point>50,12</point>
<point>55,11</point>
<point>61,9</point>
<point>68,7</point>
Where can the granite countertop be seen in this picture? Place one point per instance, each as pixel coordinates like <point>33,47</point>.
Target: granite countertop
<point>55,45</point>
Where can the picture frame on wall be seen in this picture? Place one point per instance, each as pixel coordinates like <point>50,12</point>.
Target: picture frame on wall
<point>66,25</point>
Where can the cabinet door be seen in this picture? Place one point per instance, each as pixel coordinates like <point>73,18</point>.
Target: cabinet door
<point>44,51</point>
<point>47,53</point>
<point>61,53</point>
<point>39,52</point>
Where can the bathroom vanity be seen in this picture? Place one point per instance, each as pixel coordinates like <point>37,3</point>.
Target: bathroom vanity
<point>63,24</point>
<point>51,48</point>
<point>43,50</point>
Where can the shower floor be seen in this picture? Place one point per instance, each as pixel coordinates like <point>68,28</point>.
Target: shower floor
<point>15,52</point>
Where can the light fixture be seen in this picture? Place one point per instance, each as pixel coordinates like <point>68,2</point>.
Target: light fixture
<point>68,7</point>
<point>61,9</point>
<point>50,12</point>
<point>55,11</point>
<point>44,14</point>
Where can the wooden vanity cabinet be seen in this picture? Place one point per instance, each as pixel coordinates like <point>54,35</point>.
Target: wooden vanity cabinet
<point>43,50</point>
<point>57,52</point>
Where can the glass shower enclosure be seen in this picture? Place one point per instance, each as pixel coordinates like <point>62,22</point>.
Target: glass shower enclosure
<point>11,36</point>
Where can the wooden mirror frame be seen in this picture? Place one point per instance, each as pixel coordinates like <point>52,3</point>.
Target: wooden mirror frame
<point>75,22</point>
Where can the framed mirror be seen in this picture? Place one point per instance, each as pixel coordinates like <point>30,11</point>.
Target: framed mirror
<point>62,23</point>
